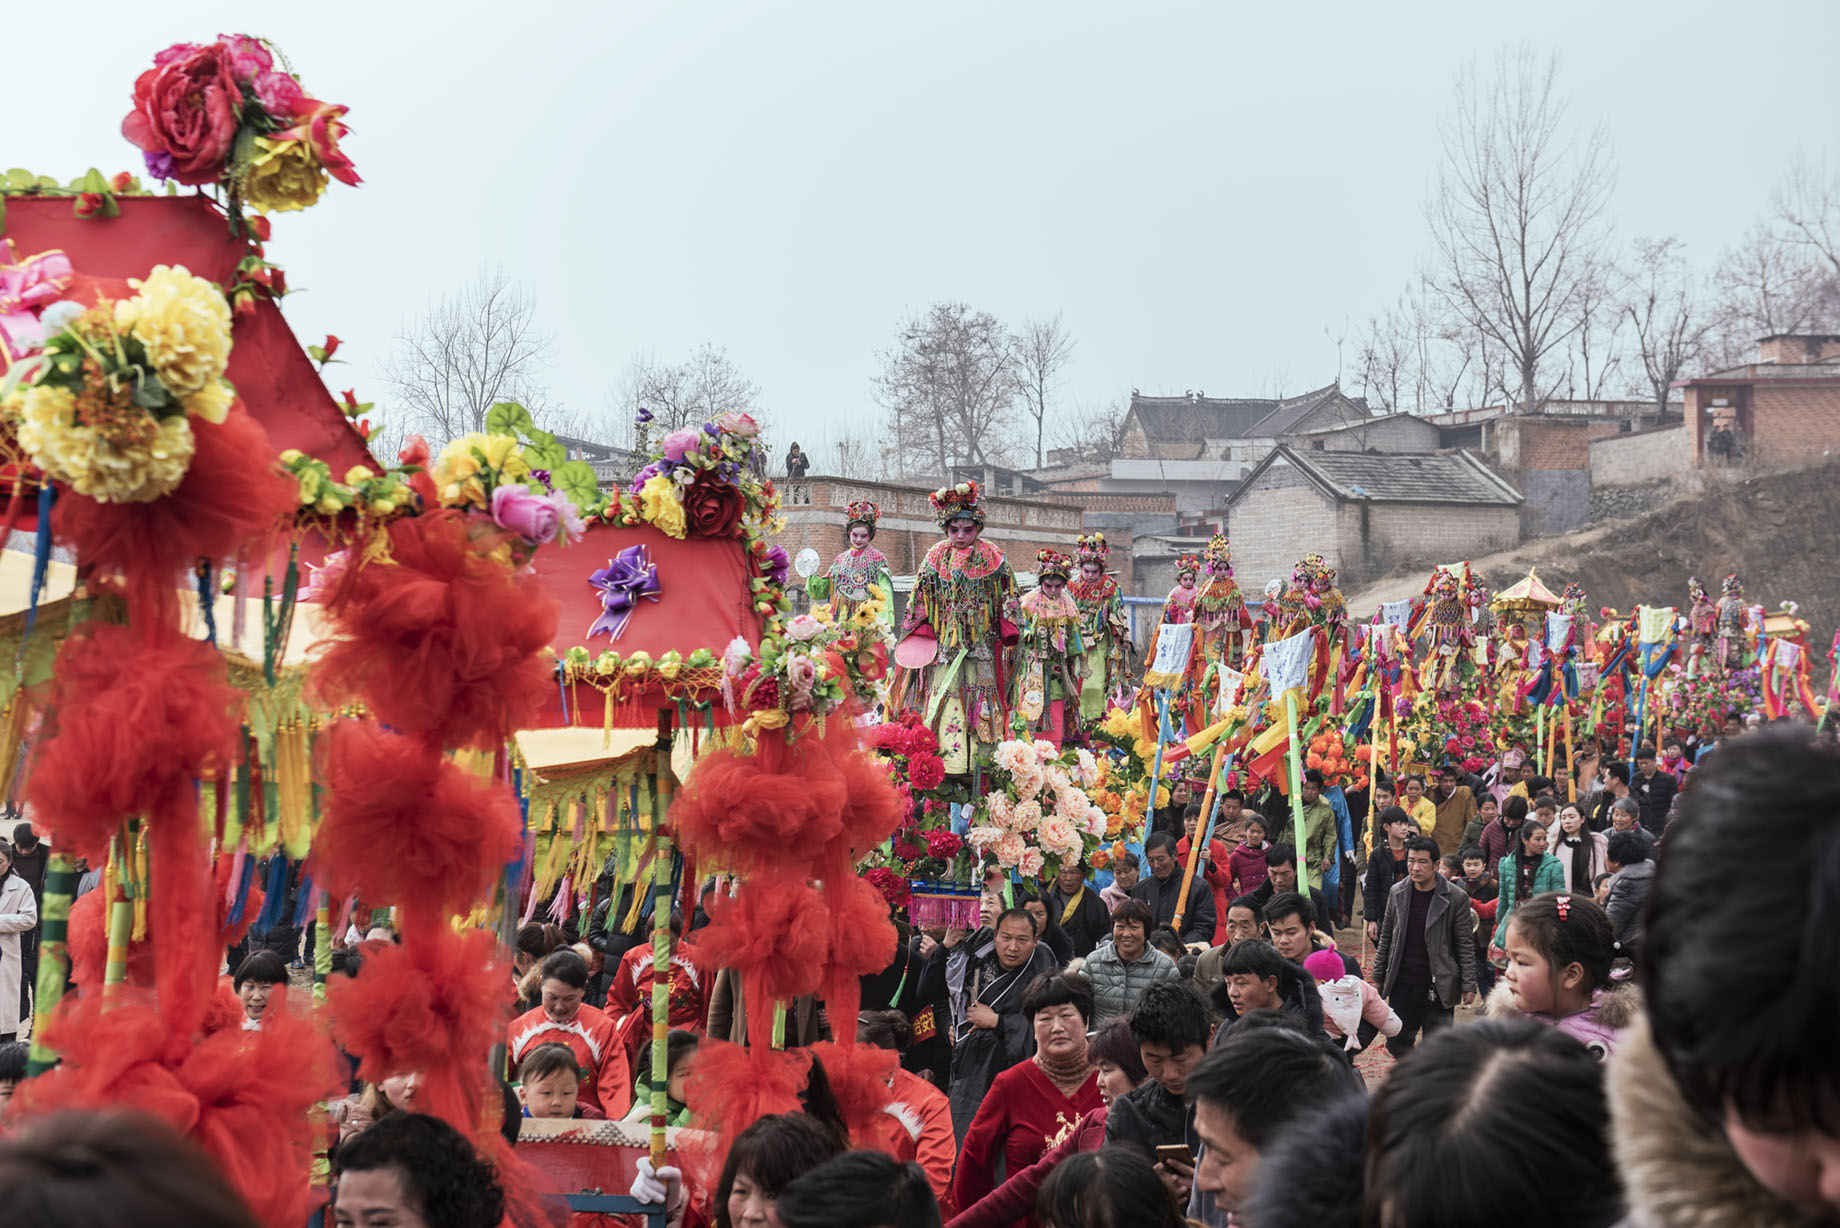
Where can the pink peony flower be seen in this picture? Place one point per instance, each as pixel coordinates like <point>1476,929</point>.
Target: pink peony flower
<point>248,57</point>
<point>1010,850</point>
<point>801,676</point>
<point>1030,863</point>
<point>678,443</point>
<point>568,517</point>
<point>279,94</point>
<point>739,425</point>
<point>803,628</point>
<point>187,107</point>
<point>518,509</point>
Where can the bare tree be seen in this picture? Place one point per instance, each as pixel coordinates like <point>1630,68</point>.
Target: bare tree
<point>1670,331</point>
<point>1762,287</point>
<point>948,384</point>
<point>1093,431</point>
<point>1517,214</point>
<point>1598,345</point>
<point>1807,208</point>
<point>679,394</point>
<point>468,352</point>
<point>1039,350</point>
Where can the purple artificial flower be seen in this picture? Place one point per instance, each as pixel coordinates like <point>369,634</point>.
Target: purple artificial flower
<point>678,444</point>
<point>710,428</point>
<point>777,564</point>
<point>159,163</point>
<point>542,475</point>
<point>639,479</point>
<point>644,415</point>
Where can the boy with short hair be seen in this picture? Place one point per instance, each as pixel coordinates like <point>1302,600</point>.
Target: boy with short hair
<point>549,1084</point>
<point>1487,811</point>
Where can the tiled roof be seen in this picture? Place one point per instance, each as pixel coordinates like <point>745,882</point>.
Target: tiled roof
<point>1440,477</point>
<point>1180,419</point>
<point>1284,419</point>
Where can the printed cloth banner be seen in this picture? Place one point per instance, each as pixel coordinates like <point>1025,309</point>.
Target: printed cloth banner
<point>1558,627</point>
<point>1788,654</point>
<point>1587,676</point>
<point>1286,662</point>
<point>1174,642</point>
<point>1232,682</point>
<point>1396,614</point>
<point>1655,624</point>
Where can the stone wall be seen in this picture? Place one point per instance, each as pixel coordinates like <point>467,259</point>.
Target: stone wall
<point>1280,519</point>
<point>1377,537</point>
<point>1640,457</point>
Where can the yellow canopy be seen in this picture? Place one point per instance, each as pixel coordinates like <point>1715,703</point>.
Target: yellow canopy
<point>1526,595</point>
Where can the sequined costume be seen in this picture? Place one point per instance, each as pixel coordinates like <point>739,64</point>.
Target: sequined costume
<point>1220,611</point>
<point>1051,654</point>
<point>1103,629</point>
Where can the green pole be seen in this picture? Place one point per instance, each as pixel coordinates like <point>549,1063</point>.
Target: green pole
<point>1296,757</point>
<point>53,956</point>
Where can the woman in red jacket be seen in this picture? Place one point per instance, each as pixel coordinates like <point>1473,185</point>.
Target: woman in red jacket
<point>565,1019</point>
<point>919,1124</point>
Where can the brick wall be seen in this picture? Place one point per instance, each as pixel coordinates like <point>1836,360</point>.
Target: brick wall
<point>1641,456</point>
<point>1547,443</point>
<point>813,508</point>
<point>1377,537</point>
<point>1814,347</point>
<point>1793,422</point>
<point>1278,521</point>
<point>1400,434</point>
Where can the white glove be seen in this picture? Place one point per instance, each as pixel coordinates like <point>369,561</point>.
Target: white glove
<point>663,1188</point>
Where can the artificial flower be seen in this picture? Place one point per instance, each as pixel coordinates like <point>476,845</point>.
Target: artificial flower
<point>803,627</point>
<point>775,563</point>
<point>212,402</point>
<point>662,509</point>
<point>679,442</point>
<point>186,111</point>
<point>944,845</point>
<point>183,323</point>
<point>516,509</point>
<point>1030,864</point>
<point>712,507</point>
<point>926,771</point>
<point>320,129</point>
<point>140,460</point>
<point>571,528</point>
<point>741,426</point>
<point>247,56</point>
<point>279,93</point>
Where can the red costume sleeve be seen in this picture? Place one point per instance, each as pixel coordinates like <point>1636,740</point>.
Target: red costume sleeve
<point>975,1175</point>
<point>613,1082</point>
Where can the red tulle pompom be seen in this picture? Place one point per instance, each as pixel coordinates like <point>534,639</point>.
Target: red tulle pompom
<point>445,637</point>
<point>862,942</point>
<point>874,807</point>
<point>245,1098</point>
<point>774,933</point>
<point>436,1004</point>
<point>405,825</point>
<point>136,719</point>
<point>731,1087</point>
<point>859,1077</point>
<point>89,933</point>
<point>233,495</point>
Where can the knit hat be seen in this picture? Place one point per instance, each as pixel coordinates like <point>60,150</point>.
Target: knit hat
<point>1325,966</point>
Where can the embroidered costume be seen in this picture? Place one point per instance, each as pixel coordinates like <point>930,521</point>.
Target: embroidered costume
<point>1052,653</point>
<point>1733,642</point>
<point>1224,623</point>
<point>1103,629</point>
<point>859,574</point>
<point>959,624</point>
<point>1702,626</point>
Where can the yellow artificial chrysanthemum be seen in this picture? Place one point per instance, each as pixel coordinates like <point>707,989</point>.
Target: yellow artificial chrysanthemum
<point>212,402</point>
<point>664,511</point>
<point>864,617</point>
<point>184,324</point>
<point>1119,723</point>
<point>92,464</point>
<point>283,176</point>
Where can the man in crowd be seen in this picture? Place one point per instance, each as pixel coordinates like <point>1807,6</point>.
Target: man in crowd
<point>1171,1028</point>
<point>1244,920</point>
<point>1631,872</point>
<point>1123,969</point>
<point>1613,782</point>
<point>1503,836</point>
<point>1456,806</point>
<point>987,973</point>
<point>1250,1086</point>
<point>1318,828</point>
<point>1653,789</point>
<point>1427,952</point>
<point>1083,915</point>
<point>1162,889</point>
<point>1290,921</point>
<point>1281,876</point>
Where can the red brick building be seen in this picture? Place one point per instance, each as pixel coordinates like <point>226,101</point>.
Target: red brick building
<point>1780,409</point>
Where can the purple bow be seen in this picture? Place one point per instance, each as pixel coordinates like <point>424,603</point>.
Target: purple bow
<point>628,576</point>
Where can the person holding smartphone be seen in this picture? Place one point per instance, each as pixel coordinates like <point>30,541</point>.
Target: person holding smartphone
<point>1171,1026</point>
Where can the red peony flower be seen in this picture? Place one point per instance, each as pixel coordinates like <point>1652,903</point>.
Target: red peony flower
<point>892,886</point>
<point>943,845</point>
<point>713,507</point>
<point>926,771</point>
<point>187,109</point>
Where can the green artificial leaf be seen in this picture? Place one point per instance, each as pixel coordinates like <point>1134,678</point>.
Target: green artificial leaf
<point>576,480</point>
<point>94,181</point>
<point>19,180</point>
<point>549,455</point>
<point>151,394</point>
<point>508,418</point>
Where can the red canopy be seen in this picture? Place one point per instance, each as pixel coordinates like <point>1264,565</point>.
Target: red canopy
<point>275,379</point>
<point>704,602</point>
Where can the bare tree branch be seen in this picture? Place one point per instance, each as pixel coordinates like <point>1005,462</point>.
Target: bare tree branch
<point>948,384</point>
<point>1039,350</point>
<point>1670,332</point>
<point>679,394</point>
<point>468,352</point>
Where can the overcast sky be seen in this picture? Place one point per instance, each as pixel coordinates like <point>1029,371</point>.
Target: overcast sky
<point>1200,189</point>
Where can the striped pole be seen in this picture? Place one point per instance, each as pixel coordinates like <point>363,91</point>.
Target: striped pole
<point>322,946</point>
<point>121,916</point>
<point>661,939</point>
<point>53,956</point>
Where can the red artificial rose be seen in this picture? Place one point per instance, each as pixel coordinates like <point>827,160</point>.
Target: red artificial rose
<point>712,507</point>
<point>332,345</point>
<point>926,771</point>
<point>89,204</point>
<point>259,227</point>
<point>187,109</point>
<point>120,182</point>
<point>944,845</point>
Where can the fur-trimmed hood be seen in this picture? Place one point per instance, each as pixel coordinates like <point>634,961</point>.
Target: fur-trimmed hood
<point>1599,1027</point>
<point>1678,1170</point>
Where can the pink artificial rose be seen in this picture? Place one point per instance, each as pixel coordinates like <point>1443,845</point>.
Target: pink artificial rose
<point>678,443</point>
<point>187,108</point>
<point>322,125</point>
<point>516,509</point>
<point>742,426</point>
<point>279,94</point>
<point>568,517</point>
<point>248,57</point>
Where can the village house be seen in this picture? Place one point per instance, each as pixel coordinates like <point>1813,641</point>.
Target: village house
<point>1779,410</point>
<point>1366,513</point>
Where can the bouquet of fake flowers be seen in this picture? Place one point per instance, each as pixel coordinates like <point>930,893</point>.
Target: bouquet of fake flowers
<point>225,113</point>
<point>813,668</point>
<point>106,407</point>
<point>1037,814</point>
<point>701,483</point>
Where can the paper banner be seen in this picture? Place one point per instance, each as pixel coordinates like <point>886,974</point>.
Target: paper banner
<point>1232,682</point>
<point>1558,627</point>
<point>1174,642</point>
<point>1396,614</point>
<point>1286,662</point>
<point>1587,676</point>
<point>1787,655</point>
<point>1655,624</point>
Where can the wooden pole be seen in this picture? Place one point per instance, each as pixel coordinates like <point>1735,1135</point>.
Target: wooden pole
<point>1201,833</point>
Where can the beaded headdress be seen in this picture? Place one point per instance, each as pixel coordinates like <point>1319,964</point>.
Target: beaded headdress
<point>1091,548</point>
<point>1733,586</point>
<point>957,502</point>
<point>1220,555</point>
<point>1053,563</point>
<point>1189,562</point>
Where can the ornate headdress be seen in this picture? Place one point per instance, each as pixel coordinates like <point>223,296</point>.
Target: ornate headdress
<point>1733,587</point>
<point>861,511</point>
<point>1220,555</point>
<point>1314,567</point>
<point>957,502</point>
<point>1573,598</point>
<point>1444,585</point>
<point>1053,563</point>
<point>1696,591</point>
<point>1189,562</point>
<point>1091,548</point>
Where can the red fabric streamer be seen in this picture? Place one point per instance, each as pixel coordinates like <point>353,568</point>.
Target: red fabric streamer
<point>89,933</point>
<point>233,494</point>
<point>181,918</point>
<point>862,942</point>
<point>859,1077</point>
<point>436,1004</point>
<point>405,825</point>
<point>136,718</point>
<point>246,1098</point>
<point>444,638</point>
<point>730,1088</point>
<point>775,933</point>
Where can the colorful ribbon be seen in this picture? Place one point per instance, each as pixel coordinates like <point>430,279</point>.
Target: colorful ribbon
<point>27,287</point>
<point>629,576</point>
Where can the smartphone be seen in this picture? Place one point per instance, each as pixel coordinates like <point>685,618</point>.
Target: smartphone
<point>1178,1152</point>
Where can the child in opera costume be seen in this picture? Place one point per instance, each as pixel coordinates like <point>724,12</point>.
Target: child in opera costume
<point>957,632</point>
<point>1052,654</point>
<point>859,574</point>
<point>1102,627</point>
